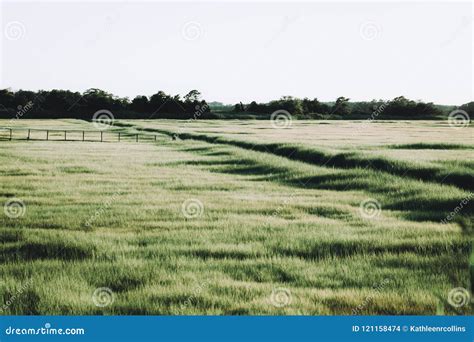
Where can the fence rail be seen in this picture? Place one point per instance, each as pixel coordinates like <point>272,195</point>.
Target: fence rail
<point>38,134</point>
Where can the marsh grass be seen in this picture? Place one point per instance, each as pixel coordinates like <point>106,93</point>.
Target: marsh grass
<point>458,175</point>
<point>268,221</point>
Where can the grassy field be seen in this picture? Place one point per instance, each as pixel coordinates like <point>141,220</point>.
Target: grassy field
<point>239,218</point>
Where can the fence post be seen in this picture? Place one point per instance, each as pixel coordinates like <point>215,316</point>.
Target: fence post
<point>101,136</point>
<point>83,135</point>
<point>47,135</point>
<point>11,134</point>
<point>28,135</point>
<point>155,137</point>
<point>65,136</point>
<point>119,136</point>
<point>137,137</point>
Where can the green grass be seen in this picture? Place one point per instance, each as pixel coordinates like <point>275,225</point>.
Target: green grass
<point>455,174</point>
<point>110,215</point>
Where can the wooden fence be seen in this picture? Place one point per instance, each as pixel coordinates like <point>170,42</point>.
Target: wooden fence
<point>71,135</point>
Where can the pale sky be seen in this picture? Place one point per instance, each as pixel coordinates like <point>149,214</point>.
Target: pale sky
<point>242,51</point>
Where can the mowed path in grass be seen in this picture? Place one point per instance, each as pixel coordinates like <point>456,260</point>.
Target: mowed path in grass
<point>111,215</point>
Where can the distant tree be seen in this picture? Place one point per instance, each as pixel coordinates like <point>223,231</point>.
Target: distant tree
<point>366,109</point>
<point>192,96</point>
<point>58,100</point>
<point>403,107</point>
<point>180,109</point>
<point>7,99</point>
<point>96,99</point>
<point>64,103</point>
<point>22,97</point>
<point>424,110</point>
<point>291,104</point>
<point>201,110</point>
<point>307,106</point>
<point>238,108</point>
<point>140,104</point>
<point>314,106</point>
<point>341,106</point>
<point>193,105</point>
<point>469,109</point>
<point>157,102</point>
<point>253,107</point>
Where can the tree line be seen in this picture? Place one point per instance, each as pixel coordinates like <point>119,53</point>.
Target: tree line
<point>397,108</point>
<point>67,104</point>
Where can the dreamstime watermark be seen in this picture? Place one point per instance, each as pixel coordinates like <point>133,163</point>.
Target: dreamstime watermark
<point>103,119</point>
<point>23,109</point>
<point>370,208</point>
<point>370,30</point>
<point>458,119</point>
<point>14,208</point>
<point>464,24</point>
<point>46,330</point>
<point>199,111</point>
<point>14,30</point>
<point>103,296</point>
<point>458,208</point>
<point>287,21</point>
<point>377,111</point>
<point>192,299</point>
<point>104,207</point>
<point>281,297</point>
<point>82,98</point>
<point>370,298</point>
<point>192,30</point>
<point>285,203</point>
<point>458,297</point>
<point>281,119</point>
<point>192,208</point>
<point>16,295</point>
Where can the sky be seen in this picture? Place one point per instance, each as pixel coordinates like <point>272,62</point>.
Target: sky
<point>242,51</point>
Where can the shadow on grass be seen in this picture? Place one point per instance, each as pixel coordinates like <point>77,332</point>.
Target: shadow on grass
<point>25,304</point>
<point>34,250</point>
<point>462,178</point>
<point>75,169</point>
<point>317,250</point>
<point>220,254</point>
<point>434,146</point>
<point>117,279</point>
<point>414,204</point>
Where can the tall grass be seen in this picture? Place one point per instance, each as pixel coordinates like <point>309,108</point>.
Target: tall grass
<point>460,176</point>
<point>267,222</point>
